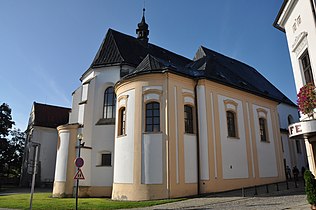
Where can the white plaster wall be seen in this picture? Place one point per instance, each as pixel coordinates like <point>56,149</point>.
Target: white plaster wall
<point>284,111</point>
<point>203,138</point>
<point>298,159</point>
<point>234,153</point>
<point>266,151</point>
<point>190,158</point>
<point>87,130</point>
<point>62,157</point>
<point>47,138</point>
<point>286,149</point>
<point>102,135</point>
<point>302,9</point>
<point>98,137</point>
<point>73,115</point>
<point>152,167</point>
<point>124,145</point>
<point>102,175</point>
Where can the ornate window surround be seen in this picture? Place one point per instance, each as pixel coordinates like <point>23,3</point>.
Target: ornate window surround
<point>263,114</point>
<point>231,106</point>
<point>151,94</point>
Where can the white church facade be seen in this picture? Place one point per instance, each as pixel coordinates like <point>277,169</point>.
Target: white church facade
<point>158,125</point>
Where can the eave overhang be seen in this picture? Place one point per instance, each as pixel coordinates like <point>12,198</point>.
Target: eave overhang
<point>284,13</point>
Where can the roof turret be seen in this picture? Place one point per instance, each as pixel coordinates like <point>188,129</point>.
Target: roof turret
<point>142,31</point>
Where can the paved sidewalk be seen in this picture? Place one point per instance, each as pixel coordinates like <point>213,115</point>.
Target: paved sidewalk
<point>267,197</point>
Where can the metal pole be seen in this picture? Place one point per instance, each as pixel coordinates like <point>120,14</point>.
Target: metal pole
<point>34,174</point>
<point>77,185</point>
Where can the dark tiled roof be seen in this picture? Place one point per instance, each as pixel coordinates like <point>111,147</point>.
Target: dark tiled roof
<point>50,116</point>
<point>118,48</point>
<point>232,72</point>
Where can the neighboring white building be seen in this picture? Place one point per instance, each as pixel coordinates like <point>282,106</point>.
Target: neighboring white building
<point>294,152</point>
<point>41,131</point>
<point>298,20</point>
<point>158,125</point>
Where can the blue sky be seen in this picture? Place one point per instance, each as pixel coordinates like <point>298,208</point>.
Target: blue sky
<point>45,46</point>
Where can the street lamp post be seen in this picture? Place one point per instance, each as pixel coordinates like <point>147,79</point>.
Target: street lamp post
<point>80,137</point>
<point>34,175</point>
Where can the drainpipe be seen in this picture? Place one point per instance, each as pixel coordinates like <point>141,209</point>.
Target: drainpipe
<point>167,151</point>
<point>197,134</point>
<point>313,10</point>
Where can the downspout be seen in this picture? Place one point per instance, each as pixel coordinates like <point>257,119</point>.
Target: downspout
<point>167,152</point>
<point>313,10</point>
<point>197,134</point>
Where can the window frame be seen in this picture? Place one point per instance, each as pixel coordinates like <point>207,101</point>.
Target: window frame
<point>306,67</point>
<point>122,121</point>
<point>234,126</point>
<point>263,131</point>
<point>153,117</point>
<point>232,106</point>
<point>188,119</point>
<point>112,104</point>
<point>103,161</point>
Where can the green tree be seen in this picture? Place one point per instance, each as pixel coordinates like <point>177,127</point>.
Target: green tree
<point>6,124</point>
<point>6,121</point>
<point>15,153</point>
<point>11,144</point>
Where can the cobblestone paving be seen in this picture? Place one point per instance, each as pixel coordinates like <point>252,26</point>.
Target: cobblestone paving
<point>267,198</point>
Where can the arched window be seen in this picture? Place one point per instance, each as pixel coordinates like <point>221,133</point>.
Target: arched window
<point>263,129</point>
<point>290,120</point>
<point>122,122</point>
<point>152,118</point>
<point>188,119</point>
<point>231,124</point>
<point>109,103</point>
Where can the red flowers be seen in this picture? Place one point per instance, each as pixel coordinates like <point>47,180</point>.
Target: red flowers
<point>307,99</point>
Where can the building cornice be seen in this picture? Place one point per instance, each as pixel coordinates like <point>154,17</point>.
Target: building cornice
<point>284,13</point>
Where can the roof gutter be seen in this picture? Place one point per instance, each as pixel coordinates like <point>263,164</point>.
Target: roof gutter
<point>275,23</point>
<point>313,10</point>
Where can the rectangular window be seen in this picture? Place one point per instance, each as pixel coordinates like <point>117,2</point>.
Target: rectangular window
<point>84,93</point>
<point>106,159</point>
<point>122,122</point>
<point>188,119</point>
<point>263,129</point>
<point>307,68</point>
<point>152,118</point>
<point>231,124</point>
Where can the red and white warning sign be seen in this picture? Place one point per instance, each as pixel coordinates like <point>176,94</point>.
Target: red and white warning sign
<point>79,174</point>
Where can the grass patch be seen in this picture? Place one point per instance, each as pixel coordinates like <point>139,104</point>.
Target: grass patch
<point>44,201</point>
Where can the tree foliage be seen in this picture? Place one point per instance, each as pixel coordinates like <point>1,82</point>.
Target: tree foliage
<point>11,144</point>
<point>6,121</point>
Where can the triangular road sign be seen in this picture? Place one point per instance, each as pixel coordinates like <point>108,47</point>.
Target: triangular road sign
<point>79,174</point>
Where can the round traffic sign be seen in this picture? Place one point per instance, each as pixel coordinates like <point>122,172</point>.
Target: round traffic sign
<point>79,162</point>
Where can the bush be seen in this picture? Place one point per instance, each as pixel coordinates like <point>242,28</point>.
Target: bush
<point>310,187</point>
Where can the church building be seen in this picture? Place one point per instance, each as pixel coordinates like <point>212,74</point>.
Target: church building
<point>159,125</point>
